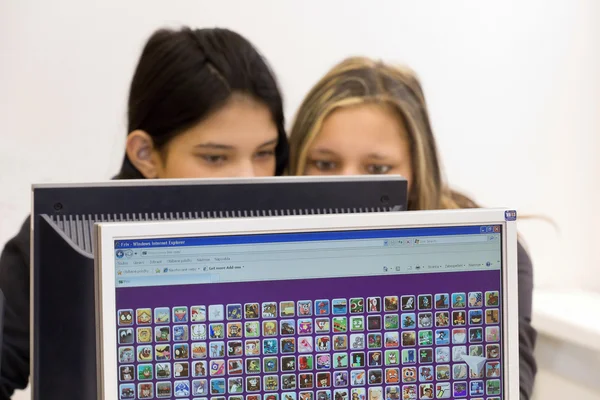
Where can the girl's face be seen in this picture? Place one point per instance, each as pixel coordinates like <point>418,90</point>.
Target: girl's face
<point>237,140</point>
<point>358,140</point>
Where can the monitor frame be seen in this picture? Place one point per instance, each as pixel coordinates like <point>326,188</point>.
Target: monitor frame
<point>106,233</point>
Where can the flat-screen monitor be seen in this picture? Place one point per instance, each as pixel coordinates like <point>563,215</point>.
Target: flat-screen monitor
<point>413,305</point>
<point>63,355</point>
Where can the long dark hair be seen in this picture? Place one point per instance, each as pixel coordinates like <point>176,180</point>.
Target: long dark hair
<point>184,75</point>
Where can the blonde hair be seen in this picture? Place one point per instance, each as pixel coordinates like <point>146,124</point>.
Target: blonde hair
<point>360,80</point>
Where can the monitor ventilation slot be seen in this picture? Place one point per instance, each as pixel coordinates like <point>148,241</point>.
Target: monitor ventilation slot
<point>79,227</point>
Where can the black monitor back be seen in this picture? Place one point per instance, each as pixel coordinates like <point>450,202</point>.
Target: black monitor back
<point>1,322</point>
<point>63,324</point>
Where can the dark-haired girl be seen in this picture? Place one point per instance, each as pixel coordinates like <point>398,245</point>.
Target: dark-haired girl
<point>202,103</point>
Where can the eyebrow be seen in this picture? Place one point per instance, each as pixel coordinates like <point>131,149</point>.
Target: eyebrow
<point>268,143</point>
<point>211,145</point>
<point>375,156</point>
<point>325,151</point>
<point>220,146</point>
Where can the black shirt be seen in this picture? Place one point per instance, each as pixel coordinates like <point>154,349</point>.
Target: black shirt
<point>14,282</point>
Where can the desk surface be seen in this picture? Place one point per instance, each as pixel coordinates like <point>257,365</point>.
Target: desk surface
<point>568,315</point>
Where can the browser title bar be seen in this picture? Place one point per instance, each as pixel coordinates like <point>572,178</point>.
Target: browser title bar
<point>305,237</point>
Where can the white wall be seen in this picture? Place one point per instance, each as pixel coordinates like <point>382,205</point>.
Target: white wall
<point>513,89</point>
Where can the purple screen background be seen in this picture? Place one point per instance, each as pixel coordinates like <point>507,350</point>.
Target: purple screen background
<point>311,289</point>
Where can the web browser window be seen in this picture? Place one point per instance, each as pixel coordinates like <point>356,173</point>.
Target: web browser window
<point>353,315</point>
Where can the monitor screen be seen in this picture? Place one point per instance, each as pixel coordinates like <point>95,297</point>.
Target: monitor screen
<point>410,313</point>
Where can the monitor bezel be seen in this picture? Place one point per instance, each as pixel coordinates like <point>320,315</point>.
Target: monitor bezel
<point>107,233</point>
<point>217,181</point>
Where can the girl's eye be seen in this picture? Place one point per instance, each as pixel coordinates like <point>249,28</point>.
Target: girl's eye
<point>377,169</point>
<point>265,154</point>
<point>213,158</point>
<point>323,165</point>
